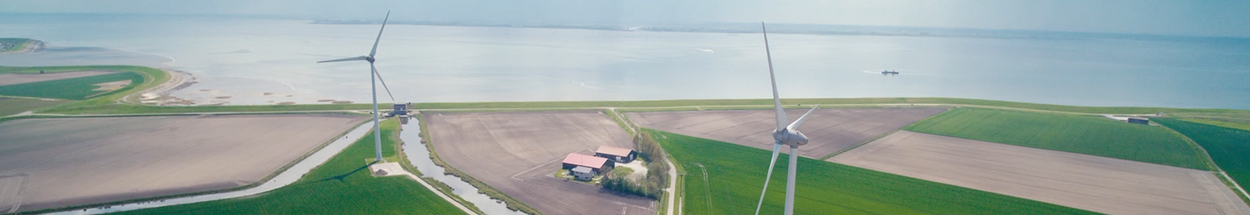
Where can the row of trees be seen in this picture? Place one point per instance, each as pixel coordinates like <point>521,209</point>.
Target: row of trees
<point>656,178</point>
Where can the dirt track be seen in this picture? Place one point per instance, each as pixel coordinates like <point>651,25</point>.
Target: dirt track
<point>830,130</point>
<point>94,160</point>
<point>11,78</point>
<point>1098,184</point>
<point>518,153</point>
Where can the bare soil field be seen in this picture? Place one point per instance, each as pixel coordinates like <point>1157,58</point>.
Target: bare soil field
<point>517,152</point>
<point>111,86</point>
<point>12,78</point>
<point>10,192</point>
<point>830,130</point>
<point>80,161</point>
<point>1099,184</point>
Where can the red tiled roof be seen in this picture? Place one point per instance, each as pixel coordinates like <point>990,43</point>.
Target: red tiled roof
<point>614,151</point>
<point>585,160</point>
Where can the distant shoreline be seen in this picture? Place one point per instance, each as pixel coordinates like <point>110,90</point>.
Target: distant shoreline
<point>811,29</point>
<point>29,45</point>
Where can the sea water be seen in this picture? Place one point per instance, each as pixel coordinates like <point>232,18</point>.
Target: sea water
<point>267,61</point>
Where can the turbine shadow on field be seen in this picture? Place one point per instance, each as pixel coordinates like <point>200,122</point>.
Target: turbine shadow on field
<point>344,175</point>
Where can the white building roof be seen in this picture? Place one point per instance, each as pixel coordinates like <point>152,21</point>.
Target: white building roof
<point>581,169</point>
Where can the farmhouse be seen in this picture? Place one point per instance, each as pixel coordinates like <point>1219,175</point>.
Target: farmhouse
<point>596,164</point>
<point>618,154</point>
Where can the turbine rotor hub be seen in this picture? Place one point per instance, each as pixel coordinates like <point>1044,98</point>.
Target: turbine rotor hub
<point>791,138</point>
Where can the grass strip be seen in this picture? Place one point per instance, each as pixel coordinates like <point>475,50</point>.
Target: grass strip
<point>342,185</point>
<point>1084,134</point>
<point>726,178</point>
<point>1228,147</point>
<point>483,188</point>
<point>71,88</point>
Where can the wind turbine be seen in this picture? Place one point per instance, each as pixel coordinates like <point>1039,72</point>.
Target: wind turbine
<point>377,131</point>
<point>784,135</point>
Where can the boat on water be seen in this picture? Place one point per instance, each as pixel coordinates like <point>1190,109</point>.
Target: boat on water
<point>889,72</point>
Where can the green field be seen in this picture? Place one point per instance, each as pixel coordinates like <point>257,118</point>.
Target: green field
<point>1092,135</point>
<point>1221,123</point>
<point>14,44</point>
<point>103,102</point>
<point>1228,147</point>
<point>10,106</point>
<point>72,88</point>
<point>342,185</point>
<point>735,175</point>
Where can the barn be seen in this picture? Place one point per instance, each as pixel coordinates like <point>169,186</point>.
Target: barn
<point>596,164</point>
<point>618,154</point>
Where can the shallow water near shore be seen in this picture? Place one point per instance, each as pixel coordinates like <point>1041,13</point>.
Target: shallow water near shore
<point>246,57</point>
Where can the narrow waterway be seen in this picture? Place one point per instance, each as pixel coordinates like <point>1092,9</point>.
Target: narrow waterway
<point>419,156</point>
<point>290,175</point>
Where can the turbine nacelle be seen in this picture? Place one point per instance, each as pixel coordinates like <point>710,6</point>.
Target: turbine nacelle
<point>790,138</point>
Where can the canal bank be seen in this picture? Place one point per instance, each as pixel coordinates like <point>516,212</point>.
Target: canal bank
<point>419,156</point>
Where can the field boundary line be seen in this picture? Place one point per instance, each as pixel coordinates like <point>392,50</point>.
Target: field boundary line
<point>847,149</point>
<point>266,179</point>
<point>482,187</point>
<point>707,186</point>
<point>416,178</point>
<point>539,166</point>
<point>1211,162</point>
<point>20,187</point>
<point>405,164</point>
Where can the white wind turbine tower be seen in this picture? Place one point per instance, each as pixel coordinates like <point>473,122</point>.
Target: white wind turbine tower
<point>377,131</point>
<point>785,135</point>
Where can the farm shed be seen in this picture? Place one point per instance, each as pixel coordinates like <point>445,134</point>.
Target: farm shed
<point>596,164</point>
<point>618,154</point>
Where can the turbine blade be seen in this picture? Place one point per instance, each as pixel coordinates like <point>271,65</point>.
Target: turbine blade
<point>375,42</point>
<point>776,149</point>
<point>344,59</point>
<point>795,126</point>
<point>388,89</point>
<point>781,113</point>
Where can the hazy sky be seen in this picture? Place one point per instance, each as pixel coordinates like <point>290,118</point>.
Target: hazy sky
<point>1176,17</point>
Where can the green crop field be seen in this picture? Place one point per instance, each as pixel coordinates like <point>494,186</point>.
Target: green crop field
<point>72,88</point>
<point>1221,123</point>
<point>102,102</point>
<point>342,185</point>
<point>14,44</point>
<point>1227,146</point>
<point>1092,135</point>
<point>725,178</point>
